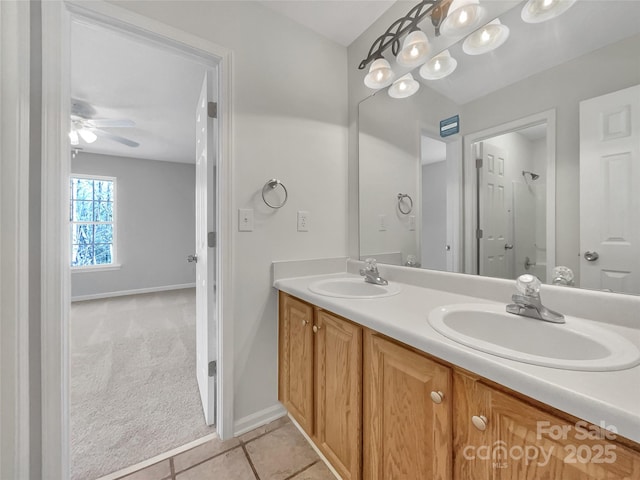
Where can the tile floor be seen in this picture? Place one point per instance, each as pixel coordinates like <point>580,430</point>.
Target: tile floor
<point>277,451</point>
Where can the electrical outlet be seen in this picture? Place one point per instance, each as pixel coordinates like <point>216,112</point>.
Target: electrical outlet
<point>412,222</point>
<point>382,223</point>
<point>303,221</point>
<point>245,220</point>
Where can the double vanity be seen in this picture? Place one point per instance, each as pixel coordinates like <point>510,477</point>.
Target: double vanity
<point>429,377</point>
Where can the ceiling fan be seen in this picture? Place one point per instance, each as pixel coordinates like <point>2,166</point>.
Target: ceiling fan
<point>87,128</point>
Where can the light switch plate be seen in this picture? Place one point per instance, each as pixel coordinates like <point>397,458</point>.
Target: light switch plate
<point>245,220</point>
<point>382,223</point>
<point>303,221</point>
<point>412,222</point>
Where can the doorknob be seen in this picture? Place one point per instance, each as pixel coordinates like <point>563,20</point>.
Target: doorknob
<point>508,246</point>
<point>591,256</point>
<point>192,258</point>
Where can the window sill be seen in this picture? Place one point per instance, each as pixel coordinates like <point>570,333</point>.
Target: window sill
<point>96,268</point>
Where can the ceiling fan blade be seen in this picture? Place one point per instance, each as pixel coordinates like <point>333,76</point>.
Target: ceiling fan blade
<point>110,123</point>
<point>116,138</point>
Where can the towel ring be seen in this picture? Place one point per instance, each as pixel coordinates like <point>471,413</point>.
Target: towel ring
<point>272,185</point>
<point>402,196</point>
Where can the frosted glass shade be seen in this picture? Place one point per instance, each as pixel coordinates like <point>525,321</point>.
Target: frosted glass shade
<point>415,49</point>
<point>537,11</point>
<point>439,66</point>
<point>404,87</point>
<point>87,135</point>
<point>486,39</point>
<point>380,74</point>
<point>463,16</point>
<point>73,137</point>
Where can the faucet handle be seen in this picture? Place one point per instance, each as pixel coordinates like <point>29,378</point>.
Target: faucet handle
<point>371,265</point>
<point>528,285</point>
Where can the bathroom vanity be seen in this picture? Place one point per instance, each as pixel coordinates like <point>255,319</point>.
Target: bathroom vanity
<point>384,396</point>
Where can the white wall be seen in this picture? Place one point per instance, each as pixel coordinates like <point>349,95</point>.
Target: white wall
<point>290,120</point>
<point>390,164</point>
<point>434,215</point>
<point>155,222</point>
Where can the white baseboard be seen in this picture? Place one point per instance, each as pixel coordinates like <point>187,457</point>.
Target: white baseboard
<point>121,293</point>
<point>255,420</point>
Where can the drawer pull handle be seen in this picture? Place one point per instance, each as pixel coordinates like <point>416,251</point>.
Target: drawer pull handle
<point>316,328</point>
<point>480,422</point>
<point>437,397</point>
<point>305,323</point>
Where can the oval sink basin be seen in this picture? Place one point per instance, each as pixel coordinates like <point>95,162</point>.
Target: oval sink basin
<point>574,345</point>
<point>352,288</point>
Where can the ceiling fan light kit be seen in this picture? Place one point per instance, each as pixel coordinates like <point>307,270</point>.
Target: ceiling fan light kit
<point>88,129</point>
<point>447,18</point>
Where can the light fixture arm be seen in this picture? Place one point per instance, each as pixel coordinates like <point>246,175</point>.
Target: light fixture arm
<point>436,9</point>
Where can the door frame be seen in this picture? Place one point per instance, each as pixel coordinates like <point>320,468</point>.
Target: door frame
<point>55,300</point>
<point>471,187</point>
<point>15,408</point>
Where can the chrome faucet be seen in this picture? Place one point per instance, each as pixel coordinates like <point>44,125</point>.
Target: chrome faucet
<point>371,274</point>
<point>528,304</point>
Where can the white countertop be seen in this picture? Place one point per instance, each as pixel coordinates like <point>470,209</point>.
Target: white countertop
<point>602,398</point>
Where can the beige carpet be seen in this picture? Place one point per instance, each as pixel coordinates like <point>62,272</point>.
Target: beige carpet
<point>133,390</point>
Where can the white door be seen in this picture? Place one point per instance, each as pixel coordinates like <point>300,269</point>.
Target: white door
<point>205,254</point>
<point>609,185</point>
<point>493,214</point>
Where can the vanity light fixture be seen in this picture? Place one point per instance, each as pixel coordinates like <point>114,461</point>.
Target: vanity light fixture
<point>415,49</point>
<point>380,74</point>
<point>463,16</point>
<point>439,66</point>
<point>537,11</point>
<point>404,87</point>
<point>486,39</point>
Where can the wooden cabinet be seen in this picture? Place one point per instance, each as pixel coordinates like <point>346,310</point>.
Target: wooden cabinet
<point>407,413</point>
<point>380,410</point>
<point>339,393</point>
<point>295,370</point>
<point>320,380</point>
<point>501,437</point>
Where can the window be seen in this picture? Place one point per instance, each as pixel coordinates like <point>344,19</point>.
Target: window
<point>92,221</point>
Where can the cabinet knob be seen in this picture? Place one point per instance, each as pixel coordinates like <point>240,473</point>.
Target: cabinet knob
<point>437,397</point>
<point>316,328</point>
<point>480,422</point>
<point>305,323</point>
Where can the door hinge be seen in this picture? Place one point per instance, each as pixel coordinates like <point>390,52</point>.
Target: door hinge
<point>479,233</point>
<point>478,163</point>
<point>212,240</point>
<point>213,368</point>
<point>212,110</point>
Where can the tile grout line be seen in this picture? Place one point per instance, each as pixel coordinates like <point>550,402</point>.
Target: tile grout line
<point>172,468</point>
<point>242,442</point>
<point>206,459</point>
<point>290,477</point>
<point>246,454</point>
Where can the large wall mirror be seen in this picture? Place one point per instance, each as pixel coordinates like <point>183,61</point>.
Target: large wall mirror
<point>545,171</point>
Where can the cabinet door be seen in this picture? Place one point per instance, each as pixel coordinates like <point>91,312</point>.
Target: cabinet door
<point>295,363</point>
<point>407,436</point>
<point>522,442</point>
<point>339,393</point>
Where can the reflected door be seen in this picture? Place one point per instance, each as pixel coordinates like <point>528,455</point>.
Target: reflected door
<point>493,212</point>
<point>609,198</point>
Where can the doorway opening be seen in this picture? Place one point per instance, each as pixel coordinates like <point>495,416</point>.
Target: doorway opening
<point>510,181</point>
<point>58,20</point>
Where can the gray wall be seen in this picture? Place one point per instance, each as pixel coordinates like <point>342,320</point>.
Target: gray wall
<point>155,221</point>
<point>434,215</point>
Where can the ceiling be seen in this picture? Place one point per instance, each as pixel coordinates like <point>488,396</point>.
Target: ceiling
<point>339,20</point>
<point>125,77</point>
